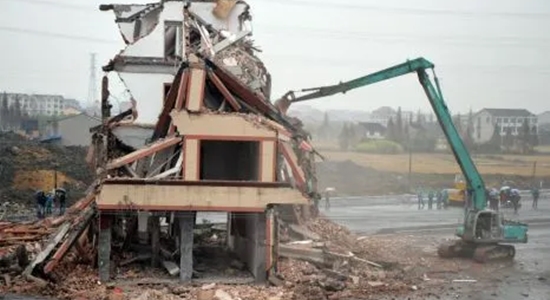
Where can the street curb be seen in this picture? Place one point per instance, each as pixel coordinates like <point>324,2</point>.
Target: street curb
<point>445,226</point>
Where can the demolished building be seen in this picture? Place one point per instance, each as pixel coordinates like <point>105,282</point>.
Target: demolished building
<point>218,144</point>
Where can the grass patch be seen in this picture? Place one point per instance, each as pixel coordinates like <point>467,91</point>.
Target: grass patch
<point>439,163</point>
<point>379,147</point>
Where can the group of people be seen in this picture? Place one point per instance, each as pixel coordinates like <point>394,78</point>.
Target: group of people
<point>441,198</point>
<point>46,201</point>
<point>512,196</point>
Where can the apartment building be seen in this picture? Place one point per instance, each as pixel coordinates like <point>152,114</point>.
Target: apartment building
<point>37,104</point>
<point>486,119</point>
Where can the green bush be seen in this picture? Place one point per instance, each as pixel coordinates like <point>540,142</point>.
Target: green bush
<point>379,147</point>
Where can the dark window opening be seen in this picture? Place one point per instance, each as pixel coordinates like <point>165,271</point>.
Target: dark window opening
<point>229,160</point>
<point>173,40</point>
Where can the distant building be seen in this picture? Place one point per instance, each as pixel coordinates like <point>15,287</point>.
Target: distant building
<point>73,130</point>
<point>94,111</point>
<point>544,128</point>
<point>371,130</point>
<point>544,118</point>
<point>503,119</point>
<point>70,111</point>
<point>383,114</point>
<point>73,103</point>
<point>35,104</point>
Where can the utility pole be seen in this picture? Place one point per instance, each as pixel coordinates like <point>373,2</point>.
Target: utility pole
<point>92,84</point>
<point>410,159</point>
<point>55,176</point>
<point>534,172</point>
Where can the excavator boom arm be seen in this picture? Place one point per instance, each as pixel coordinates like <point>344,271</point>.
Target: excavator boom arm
<point>463,158</point>
<point>343,87</point>
<point>419,66</point>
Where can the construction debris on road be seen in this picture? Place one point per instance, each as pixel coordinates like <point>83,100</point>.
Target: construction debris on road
<point>55,258</point>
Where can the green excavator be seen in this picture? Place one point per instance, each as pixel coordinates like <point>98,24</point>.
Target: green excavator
<point>484,234</point>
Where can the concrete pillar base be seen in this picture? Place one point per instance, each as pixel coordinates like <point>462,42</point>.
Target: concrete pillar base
<point>186,225</point>
<point>104,247</point>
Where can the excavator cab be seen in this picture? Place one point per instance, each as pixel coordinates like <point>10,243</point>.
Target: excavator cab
<point>481,234</point>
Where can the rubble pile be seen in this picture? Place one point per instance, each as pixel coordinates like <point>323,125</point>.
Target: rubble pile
<point>31,251</point>
<point>342,265</point>
<point>337,265</point>
<point>26,166</point>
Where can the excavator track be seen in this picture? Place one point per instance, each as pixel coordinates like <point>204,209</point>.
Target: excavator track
<point>480,253</point>
<point>487,253</point>
<point>456,248</point>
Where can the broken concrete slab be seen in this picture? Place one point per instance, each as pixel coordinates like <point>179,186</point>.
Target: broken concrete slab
<point>315,256</point>
<point>222,295</point>
<point>303,233</point>
<point>171,267</point>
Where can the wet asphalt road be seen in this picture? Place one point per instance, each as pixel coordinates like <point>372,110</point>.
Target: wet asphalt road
<point>527,277</point>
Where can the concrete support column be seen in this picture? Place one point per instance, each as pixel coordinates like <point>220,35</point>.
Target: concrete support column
<point>104,249</point>
<point>143,224</point>
<point>186,225</point>
<point>154,226</point>
<point>230,239</point>
<point>258,240</point>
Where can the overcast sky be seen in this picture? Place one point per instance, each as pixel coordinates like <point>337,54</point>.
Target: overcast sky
<point>492,53</point>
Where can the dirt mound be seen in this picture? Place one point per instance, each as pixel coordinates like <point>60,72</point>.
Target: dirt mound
<point>350,178</point>
<point>26,166</point>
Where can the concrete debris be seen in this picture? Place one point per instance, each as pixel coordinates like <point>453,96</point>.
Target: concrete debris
<point>375,283</point>
<point>222,295</point>
<point>303,233</point>
<point>464,280</point>
<point>209,286</point>
<point>37,247</point>
<point>171,267</point>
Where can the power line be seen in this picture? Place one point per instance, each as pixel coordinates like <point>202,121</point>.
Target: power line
<point>347,6</point>
<point>333,34</point>
<point>388,37</point>
<point>59,4</point>
<point>330,33</point>
<point>57,35</point>
<point>402,10</point>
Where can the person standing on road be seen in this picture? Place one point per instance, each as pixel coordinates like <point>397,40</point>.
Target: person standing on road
<point>327,198</point>
<point>515,197</point>
<point>439,199</point>
<point>536,194</point>
<point>430,199</point>
<point>40,199</point>
<point>62,198</point>
<point>445,198</point>
<point>420,199</point>
<point>49,204</point>
<point>493,199</point>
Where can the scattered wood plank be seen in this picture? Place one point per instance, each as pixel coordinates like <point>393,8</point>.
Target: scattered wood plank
<point>56,239</point>
<point>80,224</point>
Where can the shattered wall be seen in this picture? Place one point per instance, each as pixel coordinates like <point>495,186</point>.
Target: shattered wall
<point>157,43</point>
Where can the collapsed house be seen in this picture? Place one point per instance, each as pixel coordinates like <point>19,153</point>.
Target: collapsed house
<point>218,144</point>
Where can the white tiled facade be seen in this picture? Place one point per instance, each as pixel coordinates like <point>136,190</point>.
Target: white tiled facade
<point>32,104</point>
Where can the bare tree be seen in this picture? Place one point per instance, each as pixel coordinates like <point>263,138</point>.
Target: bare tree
<point>17,115</point>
